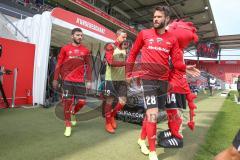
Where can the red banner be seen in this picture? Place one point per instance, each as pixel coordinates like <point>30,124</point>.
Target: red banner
<point>104,15</point>
<point>83,22</point>
<point>230,62</point>
<point>214,62</point>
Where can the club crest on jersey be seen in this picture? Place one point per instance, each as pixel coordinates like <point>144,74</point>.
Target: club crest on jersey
<point>76,51</point>
<point>151,41</point>
<point>159,40</point>
<point>168,43</point>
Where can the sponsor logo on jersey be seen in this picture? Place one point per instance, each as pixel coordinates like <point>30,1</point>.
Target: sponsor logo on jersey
<point>76,51</point>
<point>158,49</point>
<point>76,57</point>
<point>151,41</point>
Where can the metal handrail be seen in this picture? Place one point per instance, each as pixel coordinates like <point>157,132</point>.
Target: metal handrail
<point>21,15</point>
<point>15,74</point>
<point>14,27</point>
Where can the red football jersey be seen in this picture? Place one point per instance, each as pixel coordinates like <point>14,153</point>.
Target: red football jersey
<point>155,52</point>
<point>72,63</point>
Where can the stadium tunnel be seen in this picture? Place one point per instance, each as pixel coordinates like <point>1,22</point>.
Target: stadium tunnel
<point>53,30</point>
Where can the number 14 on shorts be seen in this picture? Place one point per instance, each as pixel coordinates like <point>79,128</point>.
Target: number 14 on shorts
<point>171,98</point>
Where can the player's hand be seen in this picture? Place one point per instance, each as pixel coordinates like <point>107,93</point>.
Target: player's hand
<point>88,85</point>
<point>190,67</point>
<point>193,71</point>
<point>55,84</point>
<point>138,82</point>
<point>128,80</point>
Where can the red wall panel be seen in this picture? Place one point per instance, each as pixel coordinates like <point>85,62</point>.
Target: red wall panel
<point>19,55</point>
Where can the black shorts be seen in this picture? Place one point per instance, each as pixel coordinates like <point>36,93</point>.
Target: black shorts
<point>155,93</point>
<point>115,88</point>
<point>236,141</point>
<point>76,90</point>
<point>176,100</point>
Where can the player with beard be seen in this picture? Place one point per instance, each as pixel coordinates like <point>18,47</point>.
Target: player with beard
<point>70,68</point>
<point>115,86</point>
<point>157,45</point>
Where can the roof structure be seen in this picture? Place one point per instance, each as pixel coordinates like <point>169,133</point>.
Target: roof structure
<point>140,12</point>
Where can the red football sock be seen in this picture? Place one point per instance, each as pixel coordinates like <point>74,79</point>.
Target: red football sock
<point>117,108</point>
<point>144,131</point>
<point>174,122</point>
<point>67,103</point>
<point>108,109</point>
<point>68,124</point>
<point>151,128</point>
<point>79,105</point>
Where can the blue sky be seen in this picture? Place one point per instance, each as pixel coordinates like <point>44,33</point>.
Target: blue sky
<point>227,18</point>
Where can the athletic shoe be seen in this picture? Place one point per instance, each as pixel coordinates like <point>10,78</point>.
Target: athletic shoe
<point>171,142</point>
<point>143,146</point>
<point>73,120</point>
<point>109,128</point>
<point>67,132</point>
<point>153,155</point>
<point>164,134</point>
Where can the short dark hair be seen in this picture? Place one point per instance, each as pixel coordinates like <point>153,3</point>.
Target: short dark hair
<point>76,30</point>
<point>119,31</point>
<point>164,9</point>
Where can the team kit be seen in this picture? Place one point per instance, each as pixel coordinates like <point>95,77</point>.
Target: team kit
<point>155,61</point>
